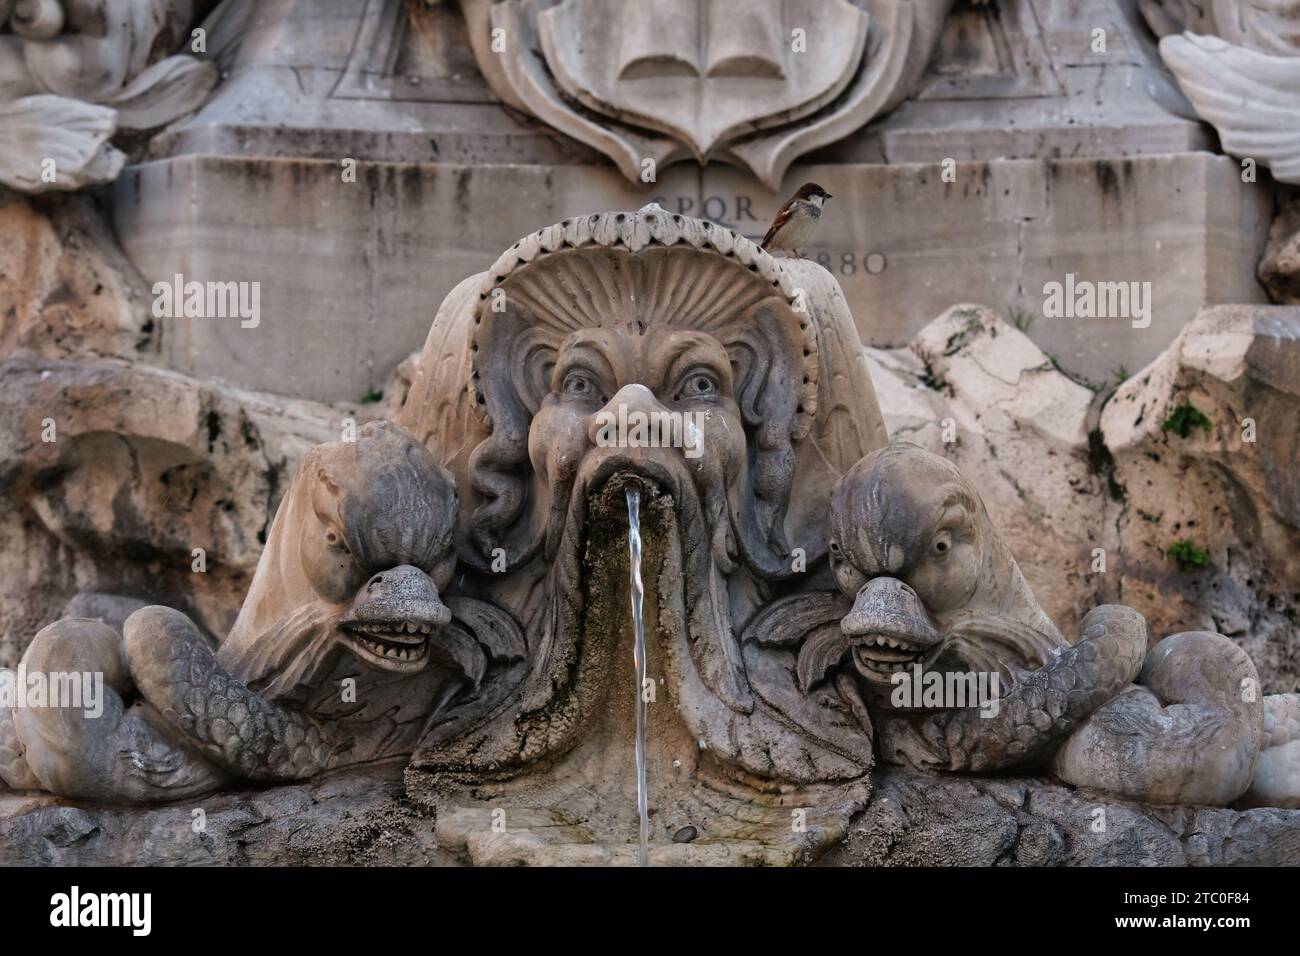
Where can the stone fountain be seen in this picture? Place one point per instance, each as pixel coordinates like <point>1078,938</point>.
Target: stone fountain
<point>453,590</point>
<point>662,550</point>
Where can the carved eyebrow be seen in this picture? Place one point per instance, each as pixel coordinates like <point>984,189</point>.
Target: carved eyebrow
<point>956,505</point>
<point>586,355</point>
<point>691,351</point>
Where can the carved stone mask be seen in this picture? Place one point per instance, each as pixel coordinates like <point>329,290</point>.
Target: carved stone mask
<point>576,334</point>
<point>658,404</point>
<point>669,353</point>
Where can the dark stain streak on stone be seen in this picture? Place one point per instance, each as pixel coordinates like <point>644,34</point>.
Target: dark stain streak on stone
<point>462,191</point>
<point>214,428</point>
<point>1109,179</point>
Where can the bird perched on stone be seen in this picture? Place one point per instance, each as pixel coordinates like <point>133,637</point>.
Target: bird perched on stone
<point>795,224</point>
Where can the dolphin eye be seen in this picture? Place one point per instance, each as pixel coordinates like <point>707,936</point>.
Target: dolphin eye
<point>941,544</point>
<point>335,541</point>
<point>847,578</point>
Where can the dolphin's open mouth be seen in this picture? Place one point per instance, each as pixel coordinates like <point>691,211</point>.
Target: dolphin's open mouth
<point>889,629</point>
<point>390,622</point>
<point>390,645</point>
<point>880,655</point>
<point>885,654</point>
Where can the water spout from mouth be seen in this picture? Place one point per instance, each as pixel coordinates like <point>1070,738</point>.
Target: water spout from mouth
<point>639,664</point>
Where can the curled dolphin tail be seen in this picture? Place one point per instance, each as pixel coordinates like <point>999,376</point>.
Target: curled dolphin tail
<point>1190,734</point>
<point>97,747</point>
<point>216,714</point>
<point>1040,708</point>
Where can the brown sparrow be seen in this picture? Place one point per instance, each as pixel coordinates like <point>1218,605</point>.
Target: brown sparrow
<point>795,224</point>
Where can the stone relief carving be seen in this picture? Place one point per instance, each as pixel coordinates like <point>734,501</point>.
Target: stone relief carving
<point>654,315</point>
<point>74,72</point>
<point>1238,62</point>
<point>745,82</point>
<point>468,570</point>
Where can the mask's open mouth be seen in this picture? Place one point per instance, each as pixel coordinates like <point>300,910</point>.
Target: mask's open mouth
<point>615,476</point>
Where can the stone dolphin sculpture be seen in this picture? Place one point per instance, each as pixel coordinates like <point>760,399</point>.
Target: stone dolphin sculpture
<point>934,587</point>
<point>349,589</point>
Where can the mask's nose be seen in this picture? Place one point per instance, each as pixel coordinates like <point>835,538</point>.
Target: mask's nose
<point>626,401</point>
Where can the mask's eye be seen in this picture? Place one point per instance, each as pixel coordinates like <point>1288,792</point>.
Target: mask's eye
<point>941,544</point>
<point>699,385</point>
<point>335,541</point>
<point>581,385</point>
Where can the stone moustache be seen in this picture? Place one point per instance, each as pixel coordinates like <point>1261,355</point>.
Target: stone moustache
<point>467,569</point>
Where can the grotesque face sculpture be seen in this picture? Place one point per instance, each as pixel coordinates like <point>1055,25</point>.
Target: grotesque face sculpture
<point>661,353</point>
<point>658,404</point>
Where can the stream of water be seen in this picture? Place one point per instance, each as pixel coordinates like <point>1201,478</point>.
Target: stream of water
<point>638,662</point>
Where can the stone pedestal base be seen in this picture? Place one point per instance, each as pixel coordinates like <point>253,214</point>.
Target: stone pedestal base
<point>351,273</point>
<point>362,817</point>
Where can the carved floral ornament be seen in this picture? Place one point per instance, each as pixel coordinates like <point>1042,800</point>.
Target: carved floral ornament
<point>745,82</point>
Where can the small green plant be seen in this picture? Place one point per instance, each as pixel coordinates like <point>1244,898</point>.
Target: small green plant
<point>1021,318</point>
<point>1187,554</point>
<point>1121,374</point>
<point>371,396</point>
<point>1184,418</point>
<point>1076,379</point>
